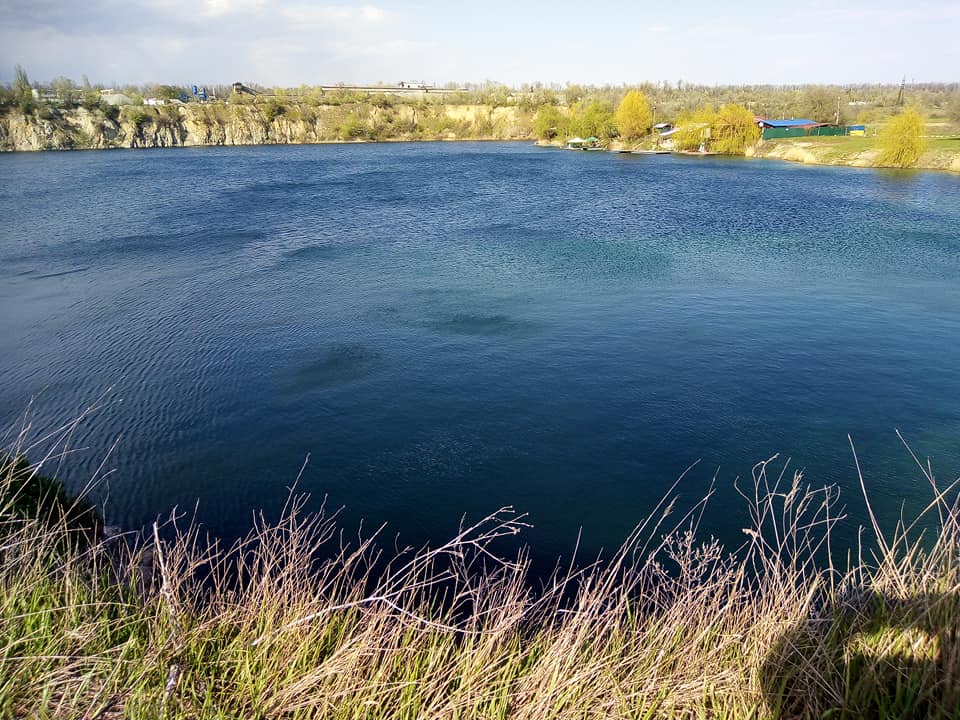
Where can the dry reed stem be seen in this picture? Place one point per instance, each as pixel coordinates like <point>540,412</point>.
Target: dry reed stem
<point>298,620</point>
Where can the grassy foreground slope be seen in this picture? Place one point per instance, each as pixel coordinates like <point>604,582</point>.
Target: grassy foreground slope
<point>302,621</point>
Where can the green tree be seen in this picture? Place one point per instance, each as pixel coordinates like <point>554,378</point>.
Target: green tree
<point>953,107</point>
<point>733,130</point>
<point>595,120</point>
<point>89,95</point>
<point>634,118</point>
<point>902,140</point>
<point>22,91</point>
<point>819,104</point>
<point>66,91</point>
<point>21,83</point>
<point>167,92</point>
<point>550,123</point>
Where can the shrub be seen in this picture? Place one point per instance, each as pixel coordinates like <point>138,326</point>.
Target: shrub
<point>353,128</point>
<point>272,110</point>
<point>136,115</point>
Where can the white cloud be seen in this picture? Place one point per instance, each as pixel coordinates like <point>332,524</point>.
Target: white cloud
<point>289,42</point>
<point>372,14</point>
<point>217,8</point>
<point>304,14</point>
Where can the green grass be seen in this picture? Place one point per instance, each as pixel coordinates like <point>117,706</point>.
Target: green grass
<point>951,144</point>
<point>940,153</point>
<point>672,626</point>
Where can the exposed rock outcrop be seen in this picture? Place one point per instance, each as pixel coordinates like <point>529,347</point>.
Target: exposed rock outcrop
<point>255,124</point>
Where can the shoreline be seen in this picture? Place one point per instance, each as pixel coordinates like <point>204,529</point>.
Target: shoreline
<point>805,151</point>
<point>86,132</point>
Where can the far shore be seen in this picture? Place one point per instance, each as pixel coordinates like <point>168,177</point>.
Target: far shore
<point>942,155</point>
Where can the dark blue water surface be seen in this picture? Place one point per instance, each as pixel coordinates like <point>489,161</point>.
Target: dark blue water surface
<point>448,328</point>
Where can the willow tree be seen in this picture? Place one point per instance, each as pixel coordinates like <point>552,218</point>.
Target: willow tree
<point>694,129</point>
<point>733,130</point>
<point>902,141</point>
<point>633,117</point>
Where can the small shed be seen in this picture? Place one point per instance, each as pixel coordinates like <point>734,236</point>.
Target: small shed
<point>794,127</point>
<point>792,123</point>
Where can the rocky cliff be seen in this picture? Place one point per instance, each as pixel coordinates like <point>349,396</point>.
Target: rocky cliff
<point>256,124</point>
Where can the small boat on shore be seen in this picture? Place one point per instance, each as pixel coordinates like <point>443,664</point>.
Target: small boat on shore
<point>590,143</point>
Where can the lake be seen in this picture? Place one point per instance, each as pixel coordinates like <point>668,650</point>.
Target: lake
<point>448,328</point>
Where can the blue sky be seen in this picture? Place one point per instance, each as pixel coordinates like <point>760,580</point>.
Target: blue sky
<point>289,42</point>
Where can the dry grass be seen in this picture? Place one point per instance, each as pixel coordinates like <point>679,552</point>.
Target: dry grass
<point>300,620</point>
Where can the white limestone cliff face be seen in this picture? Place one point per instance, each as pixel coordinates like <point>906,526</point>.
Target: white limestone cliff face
<point>197,125</point>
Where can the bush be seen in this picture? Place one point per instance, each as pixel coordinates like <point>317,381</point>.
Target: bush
<point>272,110</point>
<point>136,115</point>
<point>353,128</point>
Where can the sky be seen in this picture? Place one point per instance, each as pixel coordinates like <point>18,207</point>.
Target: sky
<point>292,42</point>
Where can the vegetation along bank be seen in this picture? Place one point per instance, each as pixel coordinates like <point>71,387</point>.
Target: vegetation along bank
<point>896,126</point>
<point>294,622</point>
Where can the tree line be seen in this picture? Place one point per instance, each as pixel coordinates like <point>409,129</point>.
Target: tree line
<point>821,103</point>
<point>729,129</point>
<point>716,118</point>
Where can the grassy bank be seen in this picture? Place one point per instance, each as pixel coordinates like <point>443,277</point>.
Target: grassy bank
<point>302,620</point>
<point>942,153</point>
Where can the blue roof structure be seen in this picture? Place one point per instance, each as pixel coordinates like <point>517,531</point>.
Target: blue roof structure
<point>801,122</point>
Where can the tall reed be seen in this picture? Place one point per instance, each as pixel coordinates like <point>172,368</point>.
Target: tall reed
<point>301,620</point>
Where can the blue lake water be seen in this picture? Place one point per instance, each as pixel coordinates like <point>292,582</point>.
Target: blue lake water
<point>448,328</point>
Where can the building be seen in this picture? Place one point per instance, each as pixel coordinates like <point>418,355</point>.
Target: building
<point>797,127</point>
